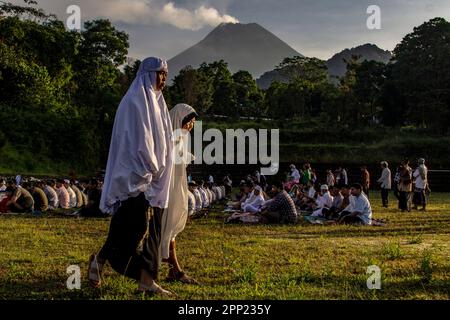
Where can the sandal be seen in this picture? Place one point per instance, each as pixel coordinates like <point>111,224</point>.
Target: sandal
<point>182,277</point>
<point>94,272</point>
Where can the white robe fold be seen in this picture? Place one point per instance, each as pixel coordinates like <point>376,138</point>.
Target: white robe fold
<point>175,216</point>
<point>140,153</point>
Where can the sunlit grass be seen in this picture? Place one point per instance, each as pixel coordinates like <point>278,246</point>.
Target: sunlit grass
<point>243,262</point>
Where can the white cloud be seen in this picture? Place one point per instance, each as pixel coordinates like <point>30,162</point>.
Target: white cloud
<point>193,20</point>
<point>147,12</point>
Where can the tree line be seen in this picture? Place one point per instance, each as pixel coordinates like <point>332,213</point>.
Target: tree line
<point>59,89</point>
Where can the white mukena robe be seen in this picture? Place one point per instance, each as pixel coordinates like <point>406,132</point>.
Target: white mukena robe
<point>140,153</point>
<point>175,216</point>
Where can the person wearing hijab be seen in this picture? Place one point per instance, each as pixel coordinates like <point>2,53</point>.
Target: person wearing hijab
<point>137,180</point>
<point>175,215</point>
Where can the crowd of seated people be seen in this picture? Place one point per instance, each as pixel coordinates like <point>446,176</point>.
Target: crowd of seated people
<point>40,196</point>
<point>202,195</point>
<point>302,195</point>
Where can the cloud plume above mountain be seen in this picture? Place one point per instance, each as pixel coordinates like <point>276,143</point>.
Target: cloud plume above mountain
<point>150,12</point>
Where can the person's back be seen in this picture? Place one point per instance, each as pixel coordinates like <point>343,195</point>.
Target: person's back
<point>79,196</point>
<point>40,200</point>
<point>284,204</point>
<point>204,196</point>
<point>198,199</point>
<point>51,196</point>
<point>94,196</point>
<point>63,197</point>
<point>24,199</point>
<point>72,197</point>
<point>191,203</point>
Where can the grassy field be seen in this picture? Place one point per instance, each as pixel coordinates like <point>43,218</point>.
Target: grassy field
<point>243,262</point>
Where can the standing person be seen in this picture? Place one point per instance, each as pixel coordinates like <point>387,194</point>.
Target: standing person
<point>385,183</point>
<point>405,187</point>
<point>306,174</point>
<point>227,182</point>
<point>344,176</point>
<point>175,215</point>
<point>341,177</point>
<point>210,177</point>
<point>365,180</point>
<point>330,179</point>
<point>420,176</point>
<point>397,181</point>
<point>137,180</point>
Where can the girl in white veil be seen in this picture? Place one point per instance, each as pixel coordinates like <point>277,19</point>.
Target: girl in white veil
<point>175,215</point>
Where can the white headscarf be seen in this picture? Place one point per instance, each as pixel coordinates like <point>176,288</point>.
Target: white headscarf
<point>175,216</point>
<point>140,154</point>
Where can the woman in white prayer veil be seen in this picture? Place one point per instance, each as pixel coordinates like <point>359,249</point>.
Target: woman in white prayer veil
<point>138,174</point>
<point>175,216</point>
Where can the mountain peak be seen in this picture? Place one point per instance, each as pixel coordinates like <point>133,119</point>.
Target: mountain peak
<point>337,67</point>
<point>246,46</point>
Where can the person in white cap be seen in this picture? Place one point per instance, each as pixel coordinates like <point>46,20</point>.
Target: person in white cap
<point>324,200</point>
<point>385,183</point>
<point>255,205</point>
<point>137,181</point>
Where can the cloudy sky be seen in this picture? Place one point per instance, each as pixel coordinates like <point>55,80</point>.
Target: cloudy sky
<point>317,28</point>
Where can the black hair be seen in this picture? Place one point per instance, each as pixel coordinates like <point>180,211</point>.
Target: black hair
<point>188,118</point>
<point>278,184</point>
<point>357,186</point>
<point>249,184</point>
<point>345,186</point>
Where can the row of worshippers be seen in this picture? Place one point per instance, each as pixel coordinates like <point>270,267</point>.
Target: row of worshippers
<point>40,196</point>
<point>346,204</point>
<point>203,195</point>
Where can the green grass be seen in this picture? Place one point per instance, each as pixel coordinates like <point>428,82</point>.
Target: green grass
<point>243,262</point>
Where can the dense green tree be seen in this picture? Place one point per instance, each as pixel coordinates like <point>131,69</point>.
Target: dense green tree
<point>249,97</point>
<point>421,72</point>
